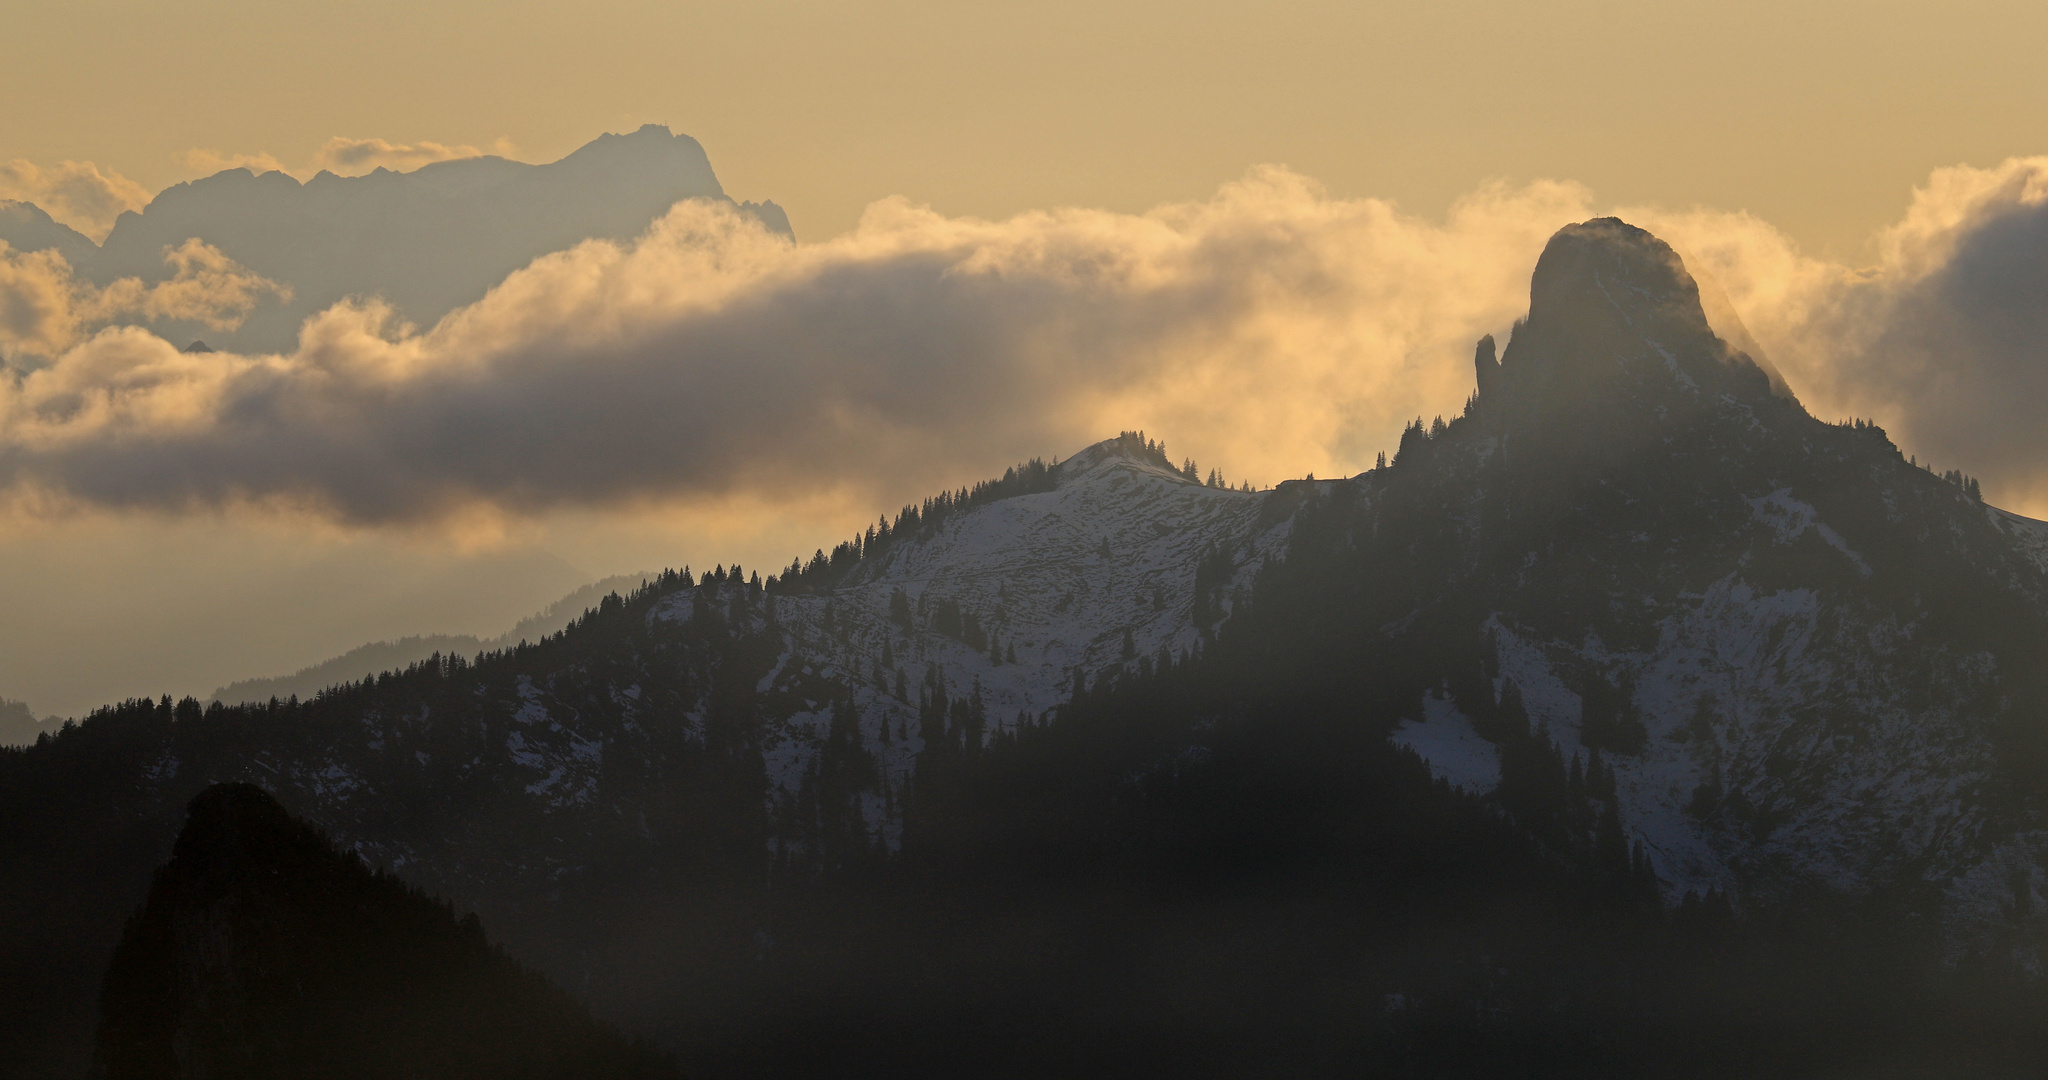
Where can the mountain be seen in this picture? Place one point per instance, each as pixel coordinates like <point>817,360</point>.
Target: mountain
<point>262,951</point>
<point>25,227</point>
<point>1805,658</point>
<point>428,241</point>
<point>1631,722</point>
<point>368,660</point>
<point>633,769</point>
<point>18,726</point>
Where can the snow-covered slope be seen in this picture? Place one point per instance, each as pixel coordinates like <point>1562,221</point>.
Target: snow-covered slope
<point>1056,580</point>
<point>2028,535</point>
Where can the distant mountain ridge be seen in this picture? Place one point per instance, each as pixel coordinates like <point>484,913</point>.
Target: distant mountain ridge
<point>25,227</point>
<point>381,656</point>
<point>428,241</point>
<point>18,726</point>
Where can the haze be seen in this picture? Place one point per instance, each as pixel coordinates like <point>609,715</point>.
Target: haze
<point>1293,221</point>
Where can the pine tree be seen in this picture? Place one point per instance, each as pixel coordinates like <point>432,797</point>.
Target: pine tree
<point>1599,778</point>
<point>1610,847</point>
<point>974,718</point>
<point>1578,805</point>
<point>1512,710</point>
<point>1649,891</point>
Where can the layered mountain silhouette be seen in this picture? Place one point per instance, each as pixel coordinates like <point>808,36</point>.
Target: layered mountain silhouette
<point>368,660</point>
<point>262,951</point>
<point>428,241</point>
<point>18,726</point>
<point>1631,722</point>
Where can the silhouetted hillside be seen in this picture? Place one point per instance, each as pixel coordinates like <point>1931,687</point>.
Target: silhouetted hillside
<point>264,952</point>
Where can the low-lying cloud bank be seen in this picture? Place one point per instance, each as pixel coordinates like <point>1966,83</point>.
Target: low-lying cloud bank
<point>45,308</point>
<point>349,156</point>
<point>78,193</point>
<point>1271,330</point>
<point>1944,341</point>
<point>342,155</point>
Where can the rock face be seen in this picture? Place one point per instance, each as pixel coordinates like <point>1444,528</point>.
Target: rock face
<point>262,951</point>
<point>1615,330</point>
<point>427,241</point>
<point>1804,658</point>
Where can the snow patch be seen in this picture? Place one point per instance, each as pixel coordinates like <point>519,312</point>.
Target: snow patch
<point>1455,751</point>
<point>1789,518</point>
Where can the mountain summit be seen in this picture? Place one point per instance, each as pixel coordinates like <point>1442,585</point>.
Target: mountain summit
<point>428,241</point>
<point>1616,353</point>
<point>1612,309</point>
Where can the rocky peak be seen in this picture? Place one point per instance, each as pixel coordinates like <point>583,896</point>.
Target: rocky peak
<point>1488,365</point>
<point>1636,278</point>
<point>1615,323</point>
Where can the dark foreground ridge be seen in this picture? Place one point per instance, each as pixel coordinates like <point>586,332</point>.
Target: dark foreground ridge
<point>264,952</point>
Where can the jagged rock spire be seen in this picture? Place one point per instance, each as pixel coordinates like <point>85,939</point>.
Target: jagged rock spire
<point>1489,367</point>
<point>1616,338</point>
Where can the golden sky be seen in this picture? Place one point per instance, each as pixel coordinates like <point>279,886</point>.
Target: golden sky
<point>1818,117</point>
<point>1266,233</point>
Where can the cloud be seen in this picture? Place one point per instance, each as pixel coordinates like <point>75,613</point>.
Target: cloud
<point>1271,330</point>
<point>205,286</point>
<point>1943,340</point>
<point>208,162</point>
<point>348,156</point>
<point>38,302</point>
<point>1274,326</point>
<point>78,193</point>
<point>345,156</point>
<point>45,308</point>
